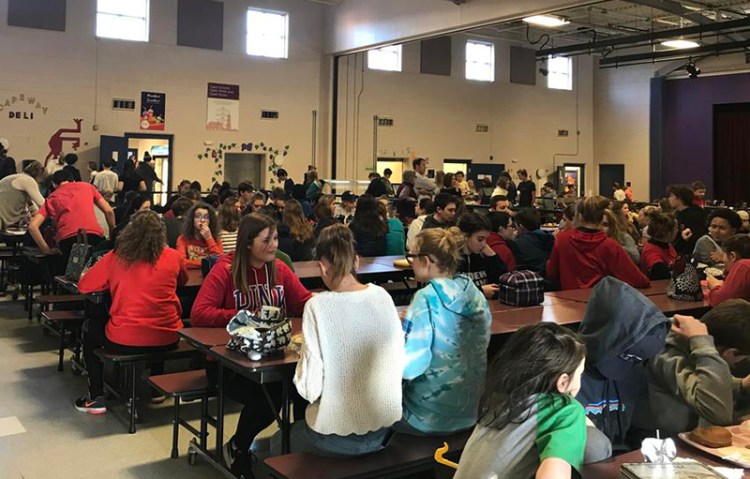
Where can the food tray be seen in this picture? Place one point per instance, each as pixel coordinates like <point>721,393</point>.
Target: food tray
<point>738,453</point>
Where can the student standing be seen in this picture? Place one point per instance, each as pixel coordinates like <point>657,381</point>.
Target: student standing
<point>248,278</point>
<point>142,275</point>
<point>351,360</point>
<point>70,165</point>
<point>20,195</point>
<point>530,424</point>
<point>200,236</point>
<point>106,180</point>
<point>526,190</point>
<point>691,219</point>
<point>447,328</point>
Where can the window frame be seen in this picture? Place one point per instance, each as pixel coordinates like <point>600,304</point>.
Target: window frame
<point>399,54</point>
<point>554,74</point>
<point>146,21</point>
<point>285,36</point>
<point>492,63</point>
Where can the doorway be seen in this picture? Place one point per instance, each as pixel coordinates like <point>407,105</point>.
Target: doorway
<point>572,175</point>
<point>239,167</point>
<point>731,152</point>
<point>608,175</point>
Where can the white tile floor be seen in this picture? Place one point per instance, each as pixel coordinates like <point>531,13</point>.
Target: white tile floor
<point>61,442</point>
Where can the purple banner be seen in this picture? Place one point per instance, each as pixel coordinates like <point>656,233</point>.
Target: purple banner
<point>223,91</point>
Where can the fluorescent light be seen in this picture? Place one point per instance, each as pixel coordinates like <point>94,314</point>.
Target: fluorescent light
<point>679,44</point>
<point>546,20</point>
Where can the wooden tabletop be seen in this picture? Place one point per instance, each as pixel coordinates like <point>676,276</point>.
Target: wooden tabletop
<point>671,306</point>
<point>367,265</point>
<point>582,295</point>
<point>205,338</point>
<point>610,469</point>
<point>509,321</point>
<point>497,306</point>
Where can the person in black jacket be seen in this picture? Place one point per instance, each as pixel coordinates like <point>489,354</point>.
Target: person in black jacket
<point>691,219</point>
<point>146,171</point>
<point>369,227</point>
<point>534,245</point>
<point>377,187</point>
<point>297,241</point>
<point>70,162</point>
<point>478,261</point>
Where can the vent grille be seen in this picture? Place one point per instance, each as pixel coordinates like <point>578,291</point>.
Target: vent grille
<point>482,128</point>
<point>123,104</point>
<point>563,133</point>
<point>385,121</point>
<point>269,115</point>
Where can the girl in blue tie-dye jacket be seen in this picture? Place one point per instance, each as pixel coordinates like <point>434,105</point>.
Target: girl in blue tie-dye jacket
<point>447,329</point>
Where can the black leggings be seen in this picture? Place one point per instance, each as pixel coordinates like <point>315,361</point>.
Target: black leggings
<point>256,414</point>
<point>94,337</point>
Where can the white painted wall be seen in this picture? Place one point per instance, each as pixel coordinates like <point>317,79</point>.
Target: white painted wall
<point>360,24</point>
<point>435,116</point>
<point>76,75</point>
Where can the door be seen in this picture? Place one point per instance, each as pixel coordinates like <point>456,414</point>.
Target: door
<point>480,170</point>
<point>731,152</point>
<point>239,167</point>
<point>113,148</point>
<point>609,174</point>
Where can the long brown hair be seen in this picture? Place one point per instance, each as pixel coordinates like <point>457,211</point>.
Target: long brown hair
<point>299,228</point>
<point>250,227</point>
<point>188,229</point>
<point>229,216</point>
<point>336,245</point>
<point>143,239</point>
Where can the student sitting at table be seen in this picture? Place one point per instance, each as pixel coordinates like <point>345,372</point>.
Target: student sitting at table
<point>446,207</point>
<point>423,209</point>
<point>323,216</point>
<point>369,227</point>
<point>248,278</point>
<point>533,244</point>
<point>478,260</point>
<point>142,275</point>
<point>447,328</point>
<point>722,224</point>
<point>583,256</point>
<point>501,203</point>
<point>175,223</point>
<point>71,206</point>
<point>351,361</point>
<point>229,222</point>
<point>396,238</point>
<point>530,425</point>
<point>658,255</point>
<point>20,195</point>
<point>502,236</point>
<point>736,270</point>
<point>568,221</point>
<point>614,227</point>
<point>200,236</point>
<point>295,233</point>
<point>690,382</point>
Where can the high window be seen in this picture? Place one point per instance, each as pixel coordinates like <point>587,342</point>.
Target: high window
<point>267,33</point>
<point>480,61</point>
<point>124,20</point>
<point>386,58</point>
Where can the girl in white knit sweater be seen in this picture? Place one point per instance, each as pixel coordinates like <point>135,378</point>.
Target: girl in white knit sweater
<point>351,361</point>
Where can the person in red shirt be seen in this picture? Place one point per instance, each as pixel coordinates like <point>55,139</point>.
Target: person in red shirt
<point>658,255</point>
<point>248,278</point>
<point>501,237</point>
<point>699,193</point>
<point>71,206</point>
<point>142,275</point>
<point>200,238</point>
<point>737,270</point>
<point>583,256</point>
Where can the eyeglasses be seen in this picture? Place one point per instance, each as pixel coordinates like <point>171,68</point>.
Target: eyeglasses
<point>201,217</point>
<point>410,256</point>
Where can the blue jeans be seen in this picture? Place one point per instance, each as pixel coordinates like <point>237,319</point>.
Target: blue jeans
<point>304,439</point>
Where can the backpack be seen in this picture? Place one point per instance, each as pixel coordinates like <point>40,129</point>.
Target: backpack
<point>521,288</point>
<point>685,283</point>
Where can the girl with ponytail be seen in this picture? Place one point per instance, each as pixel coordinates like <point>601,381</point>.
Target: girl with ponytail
<point>447,328</point>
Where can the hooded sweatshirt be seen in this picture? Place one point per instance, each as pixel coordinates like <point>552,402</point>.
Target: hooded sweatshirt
<point>581,257</point>
<point>534,250</point>
<point>219,298</point>
<point>690,385</point>
<point>482,269</point>
<point>447,329</point>
<point>693,217</point>
<point>621,328</point>
<point>503,248</point>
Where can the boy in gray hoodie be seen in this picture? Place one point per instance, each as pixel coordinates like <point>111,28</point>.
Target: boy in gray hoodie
<point>690,382</point>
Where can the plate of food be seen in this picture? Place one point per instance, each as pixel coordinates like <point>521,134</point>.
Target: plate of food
<point>731,444</point>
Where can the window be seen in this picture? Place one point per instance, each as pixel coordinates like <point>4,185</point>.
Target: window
<point>124,20</point>
<point>480,61</point>
<point>560,75</point>
<point>267,33</point>
<point>386,58</point>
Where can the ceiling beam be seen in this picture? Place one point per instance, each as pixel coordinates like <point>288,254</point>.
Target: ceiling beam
<point>668,54</point>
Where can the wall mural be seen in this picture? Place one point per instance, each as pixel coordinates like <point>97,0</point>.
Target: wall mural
<point>275,155</point>
<point>57,140</point>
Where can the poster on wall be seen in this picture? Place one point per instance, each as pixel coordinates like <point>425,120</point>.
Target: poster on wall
<point>153,110</point>
<point>223,107</point>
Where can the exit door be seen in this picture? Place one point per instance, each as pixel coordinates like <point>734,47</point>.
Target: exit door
<point>608,175</point>
<point>113,148</point>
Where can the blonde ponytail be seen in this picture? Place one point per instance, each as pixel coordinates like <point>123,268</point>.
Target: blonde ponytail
<point>443,245</point>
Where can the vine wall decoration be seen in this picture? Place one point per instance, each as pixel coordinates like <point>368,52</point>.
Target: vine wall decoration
<point>275,156</point>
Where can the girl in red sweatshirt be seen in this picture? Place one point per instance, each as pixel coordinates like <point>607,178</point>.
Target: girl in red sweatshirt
<point>141,275</point>
<point>737,271</point>
<point>583,256</point>
<point>200,237</point>
<point>248,278</point>
<point>658,255</point>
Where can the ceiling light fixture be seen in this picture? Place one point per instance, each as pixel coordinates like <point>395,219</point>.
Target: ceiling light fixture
<point>549,21</point>
<point>680,44</point>
<point>692,69</point>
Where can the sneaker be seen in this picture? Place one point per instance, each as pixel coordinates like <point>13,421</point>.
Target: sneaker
<point>229,451</point>
<point>158,398</point>
<point>91,406</point>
